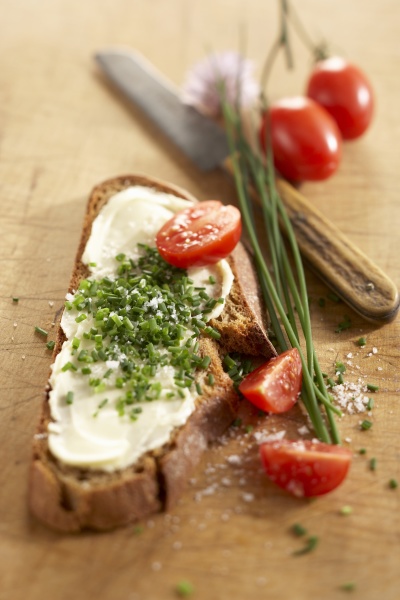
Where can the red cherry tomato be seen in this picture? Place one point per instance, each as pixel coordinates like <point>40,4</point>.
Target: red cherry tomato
<point>200,235</point>
<point>306,141</point>
<point>275,386</point>
<point>345,92</point>
<point>305,468</point>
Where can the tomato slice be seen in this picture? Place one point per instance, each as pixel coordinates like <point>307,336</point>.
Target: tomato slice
<point>275,386</point>
<point>305,468</point>
<point>200,235</point>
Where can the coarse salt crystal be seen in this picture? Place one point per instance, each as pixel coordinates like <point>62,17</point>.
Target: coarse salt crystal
<point>234,459</point>
<point>247,497</point>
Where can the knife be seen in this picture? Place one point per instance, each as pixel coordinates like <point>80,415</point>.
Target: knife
<point>329,253</point>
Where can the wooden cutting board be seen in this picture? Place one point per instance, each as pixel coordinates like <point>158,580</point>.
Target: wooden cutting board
<point>62,131</point>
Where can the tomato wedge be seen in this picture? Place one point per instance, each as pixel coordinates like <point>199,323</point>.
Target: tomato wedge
<point>275,386</point>
<point>200,235</point>
<point>305,468</point>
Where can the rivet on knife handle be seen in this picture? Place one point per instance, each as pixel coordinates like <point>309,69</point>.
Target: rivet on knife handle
<point>336,260</point>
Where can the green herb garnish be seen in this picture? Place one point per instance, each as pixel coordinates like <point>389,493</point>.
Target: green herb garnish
<point>283,287</point>
<point>41,331</point>
<point>184,588</point>
<point>310,545</point>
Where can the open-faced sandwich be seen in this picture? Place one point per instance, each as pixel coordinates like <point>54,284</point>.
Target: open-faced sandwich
<point>137,388</point>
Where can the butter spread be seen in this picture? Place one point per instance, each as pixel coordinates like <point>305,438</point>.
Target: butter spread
<point>91,425</point>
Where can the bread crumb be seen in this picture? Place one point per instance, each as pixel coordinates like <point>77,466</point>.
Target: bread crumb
<point>156,566</point>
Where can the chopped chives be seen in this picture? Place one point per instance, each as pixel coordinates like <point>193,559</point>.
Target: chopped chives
<point>365,425</point>
<point>372,388</point>
<point>310,545</point>
<point>361,342</point>
<point>50,345</point>
<point>184,588</point>
<point>298,529</point>
<point>372,464</point>
<point>69,398</point>
<point>41,331</point>
<point>15,299</point>
<point>393,484</point>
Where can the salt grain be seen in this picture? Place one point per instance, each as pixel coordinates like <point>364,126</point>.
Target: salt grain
<point>247,497</point>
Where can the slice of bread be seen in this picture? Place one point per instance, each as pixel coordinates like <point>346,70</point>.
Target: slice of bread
<point>71,499</point>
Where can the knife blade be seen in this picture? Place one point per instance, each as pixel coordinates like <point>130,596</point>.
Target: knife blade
<point>329,253</point>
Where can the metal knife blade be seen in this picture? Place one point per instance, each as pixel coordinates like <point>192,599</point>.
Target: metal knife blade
<point>182,124</point>
<point>330,254</point>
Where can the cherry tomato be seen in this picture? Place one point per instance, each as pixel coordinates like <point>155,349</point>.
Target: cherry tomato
<point>306,141</point>
<point>345,92</point>
<point>305,468</point>
<point>275,386</point>
<point>200,235</point>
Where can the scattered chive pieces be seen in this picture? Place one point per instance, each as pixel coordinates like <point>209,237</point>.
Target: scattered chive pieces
<point>198,389</point>
<point>184,588</point>
<point>69,398</point>
<point>15,299</point>
<point>340,367</point>
<point>249,428</point>
<point>211,379</point>
<point>346,510</point>
<point>365,425</point>
<point>41,331</point>
<point>361,342</point>
<point>310,545</point>
<point>298,529</point>
<point>237,423</point>
<point>393,484</point>
<point>372,464</point>
<point>50,345</point>
<point>372,388</point>
<point>138,529</point>
<point>370,404</point>
<point>348,587</point>
<point>333,297</point>
<point>343,325</point>
<point>212,279</point>
<point>362,451</point>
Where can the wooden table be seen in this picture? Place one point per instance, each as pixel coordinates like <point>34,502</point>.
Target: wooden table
<point>62,130</point>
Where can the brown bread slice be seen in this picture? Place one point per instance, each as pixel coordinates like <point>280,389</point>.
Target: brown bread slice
<point>71,499</point>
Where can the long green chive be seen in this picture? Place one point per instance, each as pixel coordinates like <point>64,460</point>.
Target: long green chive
<point>246,166</point>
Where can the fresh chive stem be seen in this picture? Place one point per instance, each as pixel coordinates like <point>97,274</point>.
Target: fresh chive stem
<point>284,289</point>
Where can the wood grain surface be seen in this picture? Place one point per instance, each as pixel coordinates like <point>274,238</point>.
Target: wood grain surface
<point>62,130</point>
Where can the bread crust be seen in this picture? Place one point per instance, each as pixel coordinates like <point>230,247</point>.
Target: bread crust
<point>71,499</point>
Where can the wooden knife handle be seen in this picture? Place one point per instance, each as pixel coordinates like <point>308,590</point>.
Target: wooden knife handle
<point>336,260</point>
